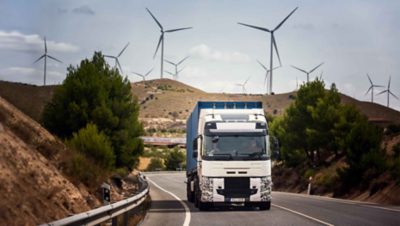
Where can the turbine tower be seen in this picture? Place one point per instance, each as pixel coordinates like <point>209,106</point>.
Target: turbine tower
<point>243,85</point>
<point>45,56</point>
<point>371,88</point>
<point>143,75</point>
<point>267,71</point>
<point>308,72</point>
<point>388,93</point>
<point>161,40</point>
<point>176,74</point>
<point>273,44</point>
<point>117,64</point>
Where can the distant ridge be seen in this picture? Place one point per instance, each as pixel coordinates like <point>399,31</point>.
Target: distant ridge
<point>166,98</point>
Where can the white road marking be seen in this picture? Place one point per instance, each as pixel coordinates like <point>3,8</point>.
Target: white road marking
<point>187,210</point>
<point>353,202</point>
<point>303,215</point>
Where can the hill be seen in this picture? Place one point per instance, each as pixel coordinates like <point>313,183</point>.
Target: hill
<point>33,188</point>
<point>166,104</point>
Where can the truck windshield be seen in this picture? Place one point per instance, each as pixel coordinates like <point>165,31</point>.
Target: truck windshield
<point>235,147</point>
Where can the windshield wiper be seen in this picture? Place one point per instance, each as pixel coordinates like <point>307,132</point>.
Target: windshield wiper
<point>223,155</point>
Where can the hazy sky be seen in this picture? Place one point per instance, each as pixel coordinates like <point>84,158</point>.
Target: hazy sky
<point>352,38</point>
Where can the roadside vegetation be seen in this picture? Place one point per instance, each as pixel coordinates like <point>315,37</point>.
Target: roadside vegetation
<point>333,143</point>
<point>97,116</point>
<point>166,159</point>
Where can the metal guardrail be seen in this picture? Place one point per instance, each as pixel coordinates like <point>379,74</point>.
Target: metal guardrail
<point>108,212</point>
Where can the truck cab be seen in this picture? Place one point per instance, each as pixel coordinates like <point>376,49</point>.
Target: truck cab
<point>228,155</point>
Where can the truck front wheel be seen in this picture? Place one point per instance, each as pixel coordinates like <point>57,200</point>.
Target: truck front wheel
<point>265,205</point>
<point>189,192</point>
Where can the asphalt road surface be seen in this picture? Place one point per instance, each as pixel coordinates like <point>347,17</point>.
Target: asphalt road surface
<point>170,207</point>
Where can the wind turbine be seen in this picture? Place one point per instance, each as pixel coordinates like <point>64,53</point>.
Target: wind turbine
<point>161,40</point>
<point>176,67</point>
<point>45,56</point>
<point>308,72</point>
<point>117,64</point>
<point>267,71</point>
<point>273,44</point>
<point>143,76</point>
<point>371,88</point>
<point>243,85</point>
<point>388,93</point>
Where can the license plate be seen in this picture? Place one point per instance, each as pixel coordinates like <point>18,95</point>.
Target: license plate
<point>237,199</point>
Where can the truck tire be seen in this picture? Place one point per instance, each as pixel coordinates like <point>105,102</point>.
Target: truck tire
<point>265,205</point>
<point>189,193</point>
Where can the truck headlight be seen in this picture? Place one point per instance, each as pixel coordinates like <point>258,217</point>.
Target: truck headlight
<point>207,189</point>
<point>265,188</point>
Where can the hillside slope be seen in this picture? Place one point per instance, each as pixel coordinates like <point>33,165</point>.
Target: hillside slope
<point>32,188</point>
<point>170,99</point>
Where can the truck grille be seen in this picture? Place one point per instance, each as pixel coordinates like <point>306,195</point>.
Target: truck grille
<point>237,187</point>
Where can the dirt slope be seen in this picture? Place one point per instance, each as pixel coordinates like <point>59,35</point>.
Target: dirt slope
<point>32,188</point>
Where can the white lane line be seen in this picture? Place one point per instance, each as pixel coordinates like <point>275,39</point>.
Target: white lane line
<point>345,201</point>
<point>303,215</point>
<point>187,210</point>
<point>384,208</point>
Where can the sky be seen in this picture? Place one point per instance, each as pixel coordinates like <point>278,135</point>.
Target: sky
<point>351,37</point>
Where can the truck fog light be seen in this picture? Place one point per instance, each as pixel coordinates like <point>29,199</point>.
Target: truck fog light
<point>265,188</point>
<point>207,189</point>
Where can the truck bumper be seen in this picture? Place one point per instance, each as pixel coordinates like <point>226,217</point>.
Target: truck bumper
<point>236,189</point>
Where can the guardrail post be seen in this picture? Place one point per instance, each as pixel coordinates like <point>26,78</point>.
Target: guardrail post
<point>126,218</point>
<point>114,221</point>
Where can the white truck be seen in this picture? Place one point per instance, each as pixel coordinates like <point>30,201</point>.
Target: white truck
<point>228,155</point>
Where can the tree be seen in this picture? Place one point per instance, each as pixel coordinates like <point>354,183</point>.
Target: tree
<point>174,159</point>
<point>306,129</point>
<point>155,164</point>
<point>95,93</point>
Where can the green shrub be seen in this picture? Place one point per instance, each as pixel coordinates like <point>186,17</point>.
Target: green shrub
<point>94,145</point>
<point>155,164</point>
<point>175,159</point>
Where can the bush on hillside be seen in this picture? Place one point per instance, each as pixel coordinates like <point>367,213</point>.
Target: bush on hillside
<point>175,159</point>
<point>155,164</point>
<point>94,145</point>
<point>93,92</point>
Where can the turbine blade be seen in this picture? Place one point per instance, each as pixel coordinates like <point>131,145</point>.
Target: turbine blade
<point>109,56</point>
<point>316,67</point>
<point>53,58</point>
<point>161,27</point>
<point>40,58</point>
<point>181,70</point>
<point>246,80</point>
<point>255,27</point>
<point>276,67</point>
<point>45,45</point>
<point>119,65</point>
<point>182,60</point>
<point>170,73</point>
<point>368,90</point>
<point>170,62</point>
<point>136,73</point>
<point>283,21</point>
<point>149,72</point>
<point>178,29</point>
<point>393,94</point>
<point>384,91</point>
<point>265,78</point>
<point>158,45</point>
<point>262,65</point>
<point>389,83</point>
<point>299,69</point>
<point>377,86</point>
<point>370,81</point>
<point>123,50</point>
<point>276,48</point>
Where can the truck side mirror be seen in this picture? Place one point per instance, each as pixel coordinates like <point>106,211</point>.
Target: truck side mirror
<point>195,152</point>
<point>275,147</point>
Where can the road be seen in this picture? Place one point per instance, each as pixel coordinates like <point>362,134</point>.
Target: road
<point>170,207</point>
